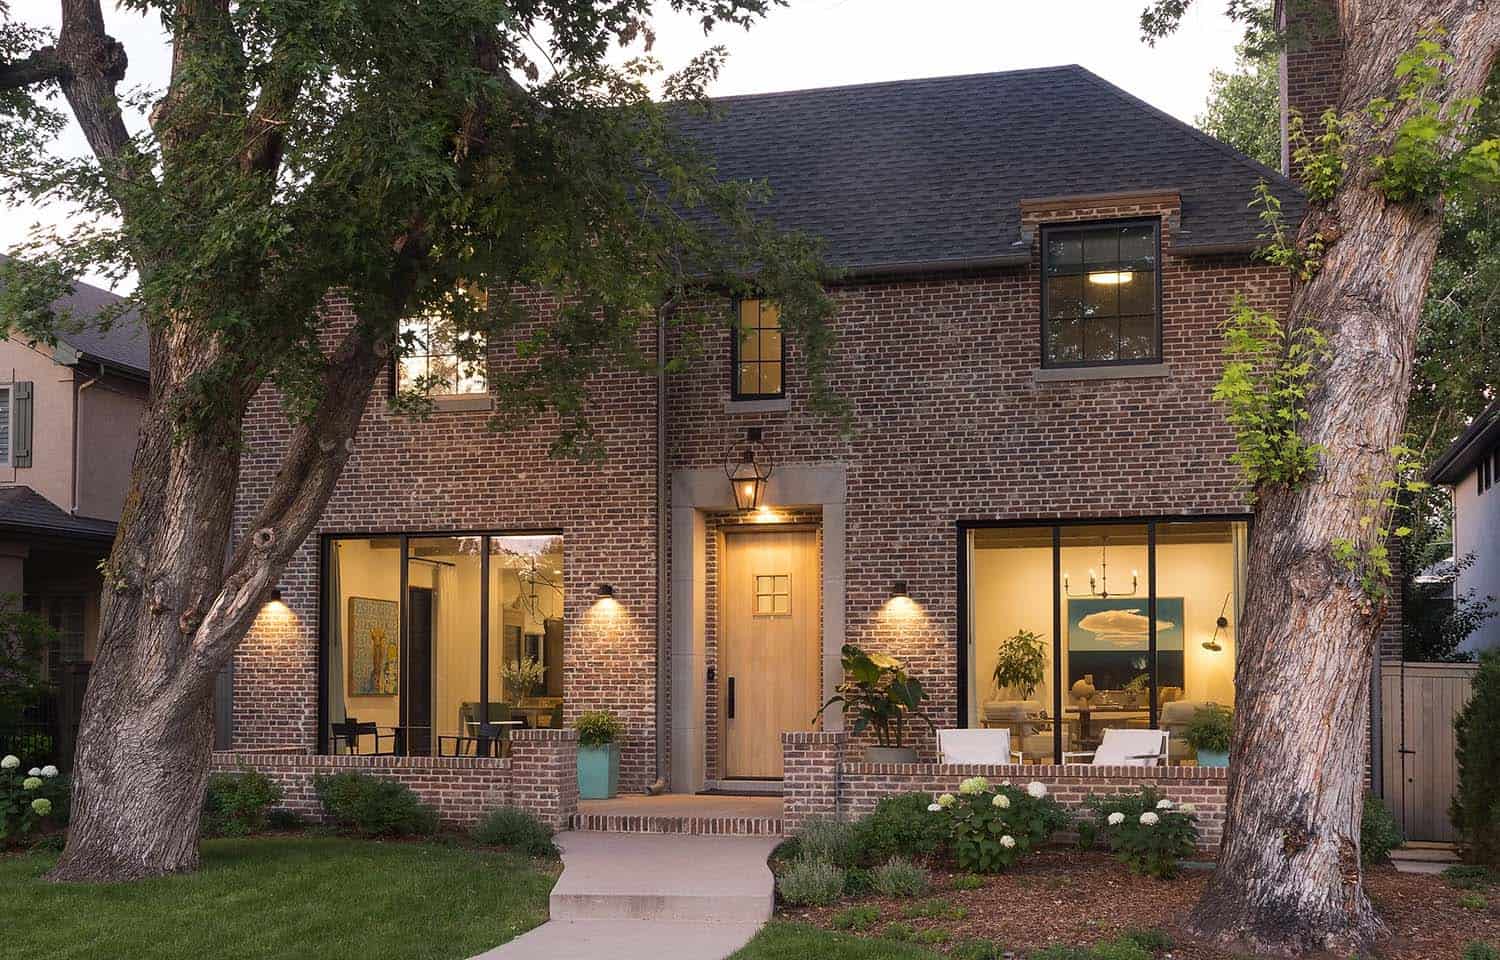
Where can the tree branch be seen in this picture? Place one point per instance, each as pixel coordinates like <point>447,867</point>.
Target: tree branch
<point>43,66</point>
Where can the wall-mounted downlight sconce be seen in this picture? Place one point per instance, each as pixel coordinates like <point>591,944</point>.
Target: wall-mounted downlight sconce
<point>275,595</point>
<point>899,591</point>
<point>606,591</point>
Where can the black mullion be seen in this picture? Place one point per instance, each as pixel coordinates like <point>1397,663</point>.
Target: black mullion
<point>1151,614</point>
<point>1057,700</point>
<point>326,550</point>
<point>403,712</point>
<point>484,629</point>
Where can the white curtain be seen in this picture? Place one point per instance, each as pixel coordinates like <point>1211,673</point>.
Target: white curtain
<point>335,614</point>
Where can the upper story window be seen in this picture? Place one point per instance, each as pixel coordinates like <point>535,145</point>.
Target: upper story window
<point>1489,464</point>
<point>759,352</point>
<point>1101,300</point>
<point>438,363</point>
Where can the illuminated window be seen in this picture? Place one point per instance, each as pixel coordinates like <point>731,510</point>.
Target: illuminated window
<point>773,595</point>
<point>759,352</point>
<point>1100,298</point>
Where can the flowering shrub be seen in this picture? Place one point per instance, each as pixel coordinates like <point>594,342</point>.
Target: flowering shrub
<point>1148,833</point>
<point>30,797</point>
<point>994,826</point>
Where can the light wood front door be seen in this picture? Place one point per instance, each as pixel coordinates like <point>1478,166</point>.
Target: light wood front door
<point>769,651</point>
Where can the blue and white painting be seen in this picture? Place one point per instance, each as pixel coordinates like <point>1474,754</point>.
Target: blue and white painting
<point>1110,638</point>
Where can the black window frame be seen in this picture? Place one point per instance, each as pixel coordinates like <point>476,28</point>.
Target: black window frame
<point>1076,226</point>
<point>962,529</point>
<point>734,357</point>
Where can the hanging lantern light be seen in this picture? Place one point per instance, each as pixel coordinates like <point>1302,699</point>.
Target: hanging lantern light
<point>748,467</point>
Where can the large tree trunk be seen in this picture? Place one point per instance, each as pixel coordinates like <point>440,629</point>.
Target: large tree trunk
<point>173,611</point>
<point>1289,878</point>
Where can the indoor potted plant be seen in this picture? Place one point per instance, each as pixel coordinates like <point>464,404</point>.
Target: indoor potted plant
<point>1019,663</point>
<point>599,732</point>
<point>1208,733</point>
<point>879,695</point>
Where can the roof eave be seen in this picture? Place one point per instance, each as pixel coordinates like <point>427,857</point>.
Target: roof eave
<point>953,265</point>
<point>1456,461</point>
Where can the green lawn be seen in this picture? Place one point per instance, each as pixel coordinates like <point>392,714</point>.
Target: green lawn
<point>282,897</point>
<point>797,941</point>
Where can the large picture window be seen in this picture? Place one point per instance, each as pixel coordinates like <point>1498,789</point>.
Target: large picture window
<point>440,645</point>
<point>1100,297</point>
<point>1127,620</point>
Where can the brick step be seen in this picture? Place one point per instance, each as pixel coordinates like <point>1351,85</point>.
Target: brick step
<point>681,824</point>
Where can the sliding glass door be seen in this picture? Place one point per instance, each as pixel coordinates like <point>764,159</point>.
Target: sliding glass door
<point>1072,629</point>
<point>439,645</point>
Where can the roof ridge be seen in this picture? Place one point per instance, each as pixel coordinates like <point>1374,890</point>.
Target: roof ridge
<point>907,81</point>
<point>1276,176</point>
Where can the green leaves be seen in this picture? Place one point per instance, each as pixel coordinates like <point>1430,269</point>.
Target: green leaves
<point>878,692</point>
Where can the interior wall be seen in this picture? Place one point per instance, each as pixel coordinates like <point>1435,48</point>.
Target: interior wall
<point>369,569</point>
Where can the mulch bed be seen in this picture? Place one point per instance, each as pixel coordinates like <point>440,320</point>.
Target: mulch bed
<point>1064,896</point>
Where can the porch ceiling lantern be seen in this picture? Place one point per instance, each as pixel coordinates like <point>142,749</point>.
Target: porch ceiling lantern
<point>748,467</point>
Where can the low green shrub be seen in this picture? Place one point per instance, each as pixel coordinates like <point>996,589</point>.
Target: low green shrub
<point>968,881</point>
<point>1469,876</point>
<point>1474,812</point>
<point>858,881</point>
<point>933,935</point>
<point>935,909</point>
<point>373,807</point>
<point>899,877</point>
<point>1153,840</point>
<point>1473,901</point>
<point>1149,938</point>
<point>1120,948</point>
<point>811,883</point>
<point>900,932</point>
<point>237,804</point>
<point>31,798</point>
<point>830,841</point>
<point>1379,833</point>
<point>857,919</point>
<point>597,728</point>
<point>282,818</point>
<point>994,827</point>
<point>901,826</point>
<point>1479,950</point>
<point>1088,833</point>
<point>516,830</point>
<point>978,949</point>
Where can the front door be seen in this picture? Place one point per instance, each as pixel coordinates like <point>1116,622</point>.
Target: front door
<point>769,650</point>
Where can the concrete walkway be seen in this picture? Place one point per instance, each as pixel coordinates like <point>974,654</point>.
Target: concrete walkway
<point>654,897</point>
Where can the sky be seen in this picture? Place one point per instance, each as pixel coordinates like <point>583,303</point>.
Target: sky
<point>822,43</point>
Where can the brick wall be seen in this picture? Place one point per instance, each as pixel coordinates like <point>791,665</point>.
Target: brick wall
<point>1311,65</point>
<point>819,784</point>
<point>544,780</point>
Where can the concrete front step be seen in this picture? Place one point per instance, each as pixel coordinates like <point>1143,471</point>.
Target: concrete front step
<point>686,879</point>
<point>625,940</point>
<point>1426,854</point>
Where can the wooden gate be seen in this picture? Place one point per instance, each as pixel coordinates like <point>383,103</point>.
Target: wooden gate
<point>1418,703</point>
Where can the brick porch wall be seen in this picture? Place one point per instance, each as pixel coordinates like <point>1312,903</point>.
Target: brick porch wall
<point>819,783</point>
<point>540,777</point>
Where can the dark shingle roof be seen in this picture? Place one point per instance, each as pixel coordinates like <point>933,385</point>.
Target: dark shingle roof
<point>125,344</point>
<point>924,171</point>
<point>23,510</point>
<point>1463,454</point>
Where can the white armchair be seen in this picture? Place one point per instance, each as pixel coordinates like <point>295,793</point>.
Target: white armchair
<point>983,746</point>
<point>1126,748</point>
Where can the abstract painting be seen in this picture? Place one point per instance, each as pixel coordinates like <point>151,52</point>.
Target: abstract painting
<point>374,647</point>
<point>1110,640</point>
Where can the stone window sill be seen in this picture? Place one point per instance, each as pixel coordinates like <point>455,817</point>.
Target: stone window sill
<point>779,405</point>
<point>462,404</point>
<point>1131,371</point>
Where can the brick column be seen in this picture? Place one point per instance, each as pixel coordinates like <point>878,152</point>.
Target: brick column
<point>544,774</point>
<point>810,771</point>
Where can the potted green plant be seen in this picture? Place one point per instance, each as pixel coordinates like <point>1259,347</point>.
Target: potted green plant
<point>599,732</point>
<point>1209,732</point>
<point>879,695</point>
<point>1020,662</point>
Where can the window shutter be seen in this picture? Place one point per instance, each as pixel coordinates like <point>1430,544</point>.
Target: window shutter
<point>21,424</point>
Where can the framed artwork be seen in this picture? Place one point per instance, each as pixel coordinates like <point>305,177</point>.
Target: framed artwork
<point>1109,639</point>
<point>374,632</point>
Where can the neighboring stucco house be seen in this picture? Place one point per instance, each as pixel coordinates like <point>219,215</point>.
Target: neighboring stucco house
<point>1471,466</point>
<point>69,415</point>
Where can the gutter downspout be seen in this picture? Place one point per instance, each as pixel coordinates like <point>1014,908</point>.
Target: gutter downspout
<point>663,677</point>
<point>77,441</point>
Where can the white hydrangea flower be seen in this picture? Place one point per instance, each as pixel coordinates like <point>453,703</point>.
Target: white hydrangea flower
<point>10,762</point>
<point>1164,804</point>
<point>1001,801</point>
<point>1116,818</point>
<point>1007,841</point>
<point>1149,819</point>
<point>34,772</point>
<point>49,771</point>
<point>934,807</point>
<point>31,783</point>
<point>973,785</point>
<point>1037,789</point>
<point>1188,808</point>
<point>946,800</point>
<point>41,806</point>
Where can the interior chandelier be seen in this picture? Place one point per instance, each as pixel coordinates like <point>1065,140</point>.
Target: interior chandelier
<point>1099,586</point>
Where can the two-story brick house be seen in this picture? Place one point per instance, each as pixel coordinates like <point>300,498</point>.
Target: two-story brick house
<point>1036,267</point>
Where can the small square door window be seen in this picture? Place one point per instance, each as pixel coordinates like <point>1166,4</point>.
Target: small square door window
<point>773,594</point>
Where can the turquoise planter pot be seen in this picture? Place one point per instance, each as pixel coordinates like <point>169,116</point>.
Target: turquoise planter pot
<point>1213,758</point>
<point>598,772</point>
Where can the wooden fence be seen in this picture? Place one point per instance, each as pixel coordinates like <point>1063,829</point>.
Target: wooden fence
<point>1418,702</point>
